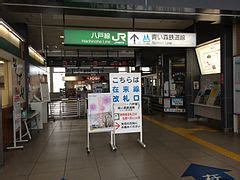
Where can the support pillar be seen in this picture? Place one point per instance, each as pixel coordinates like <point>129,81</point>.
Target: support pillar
<point>227,77</point>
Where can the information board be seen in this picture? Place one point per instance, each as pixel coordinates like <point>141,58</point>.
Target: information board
<point>100,112</point>
<point>177,101</point>
<point>95,38</point>
<point>131,39</point>
<point>161,39</point>
<point>127,102</point>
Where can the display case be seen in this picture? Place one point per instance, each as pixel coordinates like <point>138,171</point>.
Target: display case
<point>207,103</point>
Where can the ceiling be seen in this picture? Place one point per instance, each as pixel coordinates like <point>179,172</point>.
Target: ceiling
<point>53,26</point>
<point>47,23</point>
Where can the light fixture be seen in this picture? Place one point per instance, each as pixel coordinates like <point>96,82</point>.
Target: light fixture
<point>62,37</point>
<point>145,69</point>
<point>35,55</point>
<point>122,69</point>
<point>12,31</point>
<point>70,78</point>
<point>1,62</point>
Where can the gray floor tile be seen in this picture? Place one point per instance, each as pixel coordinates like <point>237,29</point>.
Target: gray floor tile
<point>19,169</point>
<point>13,177</point>
<point>49,166</point>
<point>79,163</point>
<point>138,157</point>
<point>176,167</point>
<point>147,168</point>
<point>87,173</point>
<point>46,176</point>
<point>115,172</point>
<point>160,176</point>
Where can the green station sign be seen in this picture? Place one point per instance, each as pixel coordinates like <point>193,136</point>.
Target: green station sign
<point>95,38</point>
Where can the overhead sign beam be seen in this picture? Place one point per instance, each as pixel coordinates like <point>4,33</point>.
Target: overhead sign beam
<point>128,39</point>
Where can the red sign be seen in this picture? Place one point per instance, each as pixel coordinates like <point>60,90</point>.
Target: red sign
<point>117,125</point>
<point>93,78</point>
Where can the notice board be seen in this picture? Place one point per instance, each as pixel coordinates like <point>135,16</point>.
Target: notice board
<point>127,102</point>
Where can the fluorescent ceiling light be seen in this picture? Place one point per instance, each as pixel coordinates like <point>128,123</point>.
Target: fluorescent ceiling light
<point>122,69</point>
<point>70,78</point>
<point>10,29</point>
<point>35,55</point>
<point>145,69</point>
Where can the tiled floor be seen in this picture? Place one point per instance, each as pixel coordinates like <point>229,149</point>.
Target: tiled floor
<point>59,150</point>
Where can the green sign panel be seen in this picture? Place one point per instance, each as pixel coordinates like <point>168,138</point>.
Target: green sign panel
<point>95,38</point>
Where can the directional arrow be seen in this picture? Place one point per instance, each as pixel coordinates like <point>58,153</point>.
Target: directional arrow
<point>117,125</point>
<point>134,37</point>
<point>201,172</point>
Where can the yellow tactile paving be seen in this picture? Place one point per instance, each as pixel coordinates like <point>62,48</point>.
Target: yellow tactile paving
<point>187,133</point>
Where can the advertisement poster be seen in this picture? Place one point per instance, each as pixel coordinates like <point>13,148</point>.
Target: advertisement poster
<point>167,102</point>
<point>100,112</point>
<point>127,102</point>
<point>177,101</point>
<point>209,58</point>
<point>44,92</point>
<point>17,111</point>
<point>97,88</point>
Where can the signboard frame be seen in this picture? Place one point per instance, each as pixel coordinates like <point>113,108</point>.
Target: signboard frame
<point>161,39</point>
<point>95,97</point>
<point>212,50</point>
<point>128,102</point>
<point>17,123</point>
<point>45,96</point>
<point>128,38</point>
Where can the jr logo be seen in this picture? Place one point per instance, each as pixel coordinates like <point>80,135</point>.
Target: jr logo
<point>120,37</point>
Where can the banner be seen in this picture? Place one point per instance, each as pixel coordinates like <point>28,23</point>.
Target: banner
<point>100,112</point>
<point>17,111</point>
<point>127,102</point>
<point>44,92</point>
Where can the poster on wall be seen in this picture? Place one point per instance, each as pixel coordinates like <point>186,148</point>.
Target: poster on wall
<point>209,57</point>
<point>97,88</point>
<point>167,102</point>
<point>100,112</point>
<point>177,101</point>
<point>44,92</point>
<point>127,102</point>
<point>17,111</point>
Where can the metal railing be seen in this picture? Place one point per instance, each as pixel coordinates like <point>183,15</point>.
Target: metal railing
<point>67,109</point>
